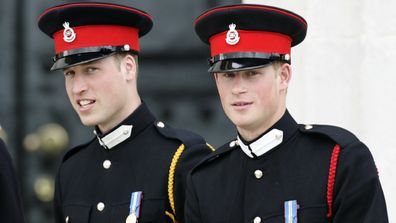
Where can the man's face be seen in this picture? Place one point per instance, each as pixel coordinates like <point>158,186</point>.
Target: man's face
<point>252,99</point>
<point>99,92</point>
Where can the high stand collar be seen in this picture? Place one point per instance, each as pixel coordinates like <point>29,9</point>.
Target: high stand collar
<point>280,132</point>
<point>138,120</point>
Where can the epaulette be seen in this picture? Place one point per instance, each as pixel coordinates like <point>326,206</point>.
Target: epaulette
<point>76,149</point>
<point>186,137</point>
<point>339,135</point>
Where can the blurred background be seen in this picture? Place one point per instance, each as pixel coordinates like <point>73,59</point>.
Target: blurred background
<point>343,75</point>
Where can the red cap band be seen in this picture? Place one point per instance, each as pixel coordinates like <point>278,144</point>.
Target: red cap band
<point>98,35</point>
<point>251,41</point>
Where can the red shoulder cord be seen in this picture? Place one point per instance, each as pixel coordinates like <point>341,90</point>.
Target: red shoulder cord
<point>331,179</point>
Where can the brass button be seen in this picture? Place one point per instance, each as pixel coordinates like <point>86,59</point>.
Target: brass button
<point>258,174</point>
<point>308,127</point>
<point>127,47</point>
<point>160,124</point>
<point>100,206</point>
<point>106,164</point>
<point>257,220</point>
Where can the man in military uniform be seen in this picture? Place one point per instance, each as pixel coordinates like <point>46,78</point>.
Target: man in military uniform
<point>275,170</point>
<point>135,168</point>
<point>10,200</point>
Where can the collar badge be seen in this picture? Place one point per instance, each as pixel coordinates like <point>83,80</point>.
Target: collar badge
<point>68,33</point>
<point>232,35</point>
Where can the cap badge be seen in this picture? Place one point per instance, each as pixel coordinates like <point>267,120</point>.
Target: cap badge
<point>232,35</point>
<point>68,33</point>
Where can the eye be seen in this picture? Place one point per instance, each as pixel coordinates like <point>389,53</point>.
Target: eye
<point>68,73</point>
<point>228,75</point>
<point>253,73</point>
<point>91,69</point>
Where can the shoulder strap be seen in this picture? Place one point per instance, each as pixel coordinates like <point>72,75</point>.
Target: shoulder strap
<point>186,137</point>
<point>339,135</point>
<point>225,149</point>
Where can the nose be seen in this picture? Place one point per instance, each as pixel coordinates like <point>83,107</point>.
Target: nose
<point>238,85</point>
<point>78,84</point>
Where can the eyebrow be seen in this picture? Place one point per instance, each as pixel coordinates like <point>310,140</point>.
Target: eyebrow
<point>84,65</point>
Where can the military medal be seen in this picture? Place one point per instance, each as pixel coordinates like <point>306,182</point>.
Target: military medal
<point>131,218</point>
<point>134,207</point>
<point>291,211</point>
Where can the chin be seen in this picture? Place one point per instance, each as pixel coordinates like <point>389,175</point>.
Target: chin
<point>243,125</point>
<point>239,122</point>
<point>88,122</point>
<point>238,118</point>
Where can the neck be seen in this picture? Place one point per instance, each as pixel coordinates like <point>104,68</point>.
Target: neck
<point>249,134</point>
<point>133,104</point>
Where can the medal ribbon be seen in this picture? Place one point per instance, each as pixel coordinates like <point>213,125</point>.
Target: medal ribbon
<point>291,211</point>
<point>134,207</point>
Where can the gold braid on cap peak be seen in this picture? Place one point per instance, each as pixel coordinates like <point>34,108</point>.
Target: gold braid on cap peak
<point>171,178</point>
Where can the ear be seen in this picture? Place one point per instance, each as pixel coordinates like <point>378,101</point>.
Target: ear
<point>285,74</point>
<point>129,67</point>
<point>215,76</point>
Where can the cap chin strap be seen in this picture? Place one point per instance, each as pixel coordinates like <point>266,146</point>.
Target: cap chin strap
<point>214,69</point>
<point>251,55</point>
<point>96,49</point>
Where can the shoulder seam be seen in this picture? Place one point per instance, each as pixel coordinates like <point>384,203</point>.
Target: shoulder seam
<point>214,155</point>
<point>186,137</point>
<point>74,150</point>
<point>337,134</point>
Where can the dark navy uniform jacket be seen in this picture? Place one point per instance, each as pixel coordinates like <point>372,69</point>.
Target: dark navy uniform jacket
<point>94,184</point>
<point>10,199</point>
<point>224,187</point>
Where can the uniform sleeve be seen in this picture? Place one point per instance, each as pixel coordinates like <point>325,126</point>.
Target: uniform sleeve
<point>57,200</point>
<point>191,208</point>
<point>10,200</point>
<point>189,158</point>
<point>358,194</point>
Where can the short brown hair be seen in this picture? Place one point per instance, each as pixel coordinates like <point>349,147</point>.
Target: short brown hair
<point>277,64</point>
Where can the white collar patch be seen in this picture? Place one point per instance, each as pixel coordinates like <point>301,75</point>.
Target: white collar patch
<point>115,137</point>
<point>263,144</point>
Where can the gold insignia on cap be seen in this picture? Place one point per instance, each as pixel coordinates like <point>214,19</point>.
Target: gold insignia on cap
<point>232,35</point>
<point>68,33</point>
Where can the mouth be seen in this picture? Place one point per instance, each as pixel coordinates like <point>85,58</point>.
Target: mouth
<point>241,104</point>
<point>83,103</point>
